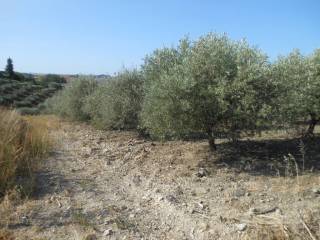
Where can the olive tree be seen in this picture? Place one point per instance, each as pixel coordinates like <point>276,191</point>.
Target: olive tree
<point>116,103</point>
<point>165,106</point>
<point>312,98</point>
<point>71,100</point>
<point>213,86</point>
<point>298,79</point>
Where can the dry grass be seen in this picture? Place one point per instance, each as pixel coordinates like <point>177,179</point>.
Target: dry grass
<point>275,227</point>
<point>5,235</point>
<point>47,122</point>
<point>24,142</point>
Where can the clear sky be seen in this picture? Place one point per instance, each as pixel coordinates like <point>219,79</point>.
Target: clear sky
<point>102,36</point>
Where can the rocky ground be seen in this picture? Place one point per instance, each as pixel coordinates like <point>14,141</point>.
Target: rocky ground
<point>115,185</point>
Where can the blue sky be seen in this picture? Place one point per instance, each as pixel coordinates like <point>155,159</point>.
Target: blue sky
<point>101,36</point>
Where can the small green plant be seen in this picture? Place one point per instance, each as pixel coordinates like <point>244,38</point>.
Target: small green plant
<point>80,218</point>
<point>292,167</point>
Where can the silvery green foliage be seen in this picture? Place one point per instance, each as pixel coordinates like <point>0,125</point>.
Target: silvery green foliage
<point>313,89</point>
<point>116,102</point>
<point>213,86</point>
<point>70,102</point>
<point>165,106</point>
<point>298,80</point>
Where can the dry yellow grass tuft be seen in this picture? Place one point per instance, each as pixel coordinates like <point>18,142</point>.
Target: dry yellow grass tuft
<point>5,235</point>
<point>274,227</point>
<point>23,144</point>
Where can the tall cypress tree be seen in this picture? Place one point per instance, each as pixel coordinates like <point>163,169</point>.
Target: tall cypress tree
<point>9,68</point>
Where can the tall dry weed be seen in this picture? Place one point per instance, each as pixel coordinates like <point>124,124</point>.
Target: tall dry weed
<point>23,144</point>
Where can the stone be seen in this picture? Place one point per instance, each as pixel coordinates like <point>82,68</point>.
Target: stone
<point>25,220</point>
<point>253,211</point>
<point>241,227</point>
<point>171,199</point>
<point>91,237</point>
<point>137,180</point>
<point>316,190</point>
<point>239,192</point>
<point>278,211</point>
<point>160,198</point>
<point>108,232</point>
<point>202,172</point>
<point>201,205</point>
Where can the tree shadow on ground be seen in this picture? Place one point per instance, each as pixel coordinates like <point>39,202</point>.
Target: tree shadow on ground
<point>48,182</point>
<point>270,157</point>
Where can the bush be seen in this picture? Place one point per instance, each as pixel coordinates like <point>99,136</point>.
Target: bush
<point>55,86</point>
<point>116,103</point>
<point>24,103</point>
<point>70,102</point>
<point>49,79</point>
<point>213,86</point>
<point>23,77</point>
<point>28,111</point>
<point>22,146</point>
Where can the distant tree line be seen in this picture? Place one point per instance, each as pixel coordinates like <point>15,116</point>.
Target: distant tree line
<point>46,80</point>
<point>213,87</point>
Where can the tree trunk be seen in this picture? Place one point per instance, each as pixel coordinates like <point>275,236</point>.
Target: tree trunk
<point>312,124</point>
<point>211,140</point>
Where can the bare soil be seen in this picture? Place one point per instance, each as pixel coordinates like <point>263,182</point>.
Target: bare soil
<point>116,185</point>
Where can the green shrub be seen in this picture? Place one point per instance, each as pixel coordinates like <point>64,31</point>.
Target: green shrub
<point>23,103</point>
<point>51,90</point>
<point>70,102</point>
<point>116,103</point>
<point>36,87</point>
<point>55,85</point>
<point>32,99</point>
<point>50,79</point>
<point>4,80</point>
<point>9,87</point>
<point>28,111</point>
<point>2,101</point>
<point>23,77</point>
<point>9,97</point>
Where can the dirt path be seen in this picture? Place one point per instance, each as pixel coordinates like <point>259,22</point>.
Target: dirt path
<point>114,185</point>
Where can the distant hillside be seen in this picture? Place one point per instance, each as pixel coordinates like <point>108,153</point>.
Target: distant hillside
<point>25,93</point>
<point>99,77</point>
